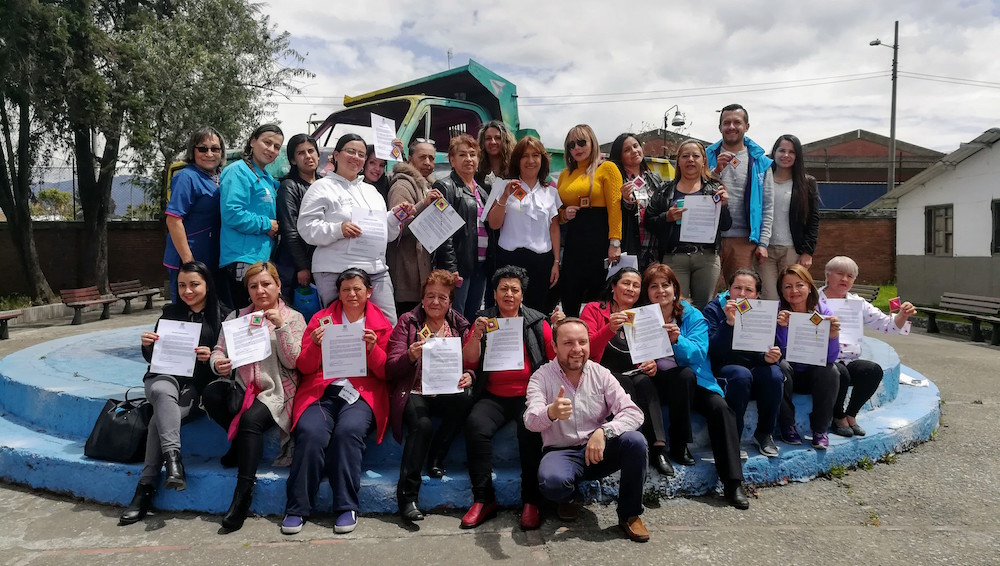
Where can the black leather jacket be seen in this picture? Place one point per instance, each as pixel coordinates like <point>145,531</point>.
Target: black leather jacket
<point>290,194</point>
<point>631,243</point>
<point>668,233</point>
<point>460,252</point>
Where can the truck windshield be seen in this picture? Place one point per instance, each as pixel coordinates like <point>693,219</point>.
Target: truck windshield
<point>358,120</point>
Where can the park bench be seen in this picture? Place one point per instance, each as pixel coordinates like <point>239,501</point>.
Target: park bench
<point>4,317</point>
<point>85,297</point>
<point>866,292</point>
<point>974,308</point>
<point>128,290</point>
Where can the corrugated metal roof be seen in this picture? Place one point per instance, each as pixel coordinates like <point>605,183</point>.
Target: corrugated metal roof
<point>848,196</point>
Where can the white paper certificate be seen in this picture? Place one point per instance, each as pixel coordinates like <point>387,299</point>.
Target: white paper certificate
<point>173,352</point>
<point>701,219</point>
<point>441,366</point>
<point>850,314</point>
<point>433,226</point>
<point>344,351</point>
<point>246,344</point>
<point>624,261</point>
<point>505,346</point>
<point>385,131</point>
<point>753,330</point>
<point>646,337</point>
<point>374,233</point>
<point>807,342</point>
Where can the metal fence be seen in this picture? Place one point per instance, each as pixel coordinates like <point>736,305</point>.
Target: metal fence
<point>55,196</point>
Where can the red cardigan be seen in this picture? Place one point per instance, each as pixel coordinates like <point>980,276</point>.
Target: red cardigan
<point>372,387</point>
<point>600,333</point>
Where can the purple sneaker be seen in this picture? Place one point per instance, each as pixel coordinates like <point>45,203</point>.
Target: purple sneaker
<point>291,525</point>
<point>821,441</point>
<point>791,436</point>
<point>346,522</point>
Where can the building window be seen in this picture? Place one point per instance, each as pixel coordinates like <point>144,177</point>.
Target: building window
<point>938,230</point>
<point>995,247</point>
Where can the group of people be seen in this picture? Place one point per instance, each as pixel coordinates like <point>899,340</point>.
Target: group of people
<point>240,242</point>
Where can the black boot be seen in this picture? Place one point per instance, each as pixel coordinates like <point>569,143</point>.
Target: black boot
<point>175,471</point>
<point>242,498</point>
<point>141,502</point>
<point>229,459</point>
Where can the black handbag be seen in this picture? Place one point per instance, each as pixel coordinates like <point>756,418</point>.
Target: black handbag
<point>119,434</point>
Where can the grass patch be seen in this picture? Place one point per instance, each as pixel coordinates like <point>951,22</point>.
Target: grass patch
<point>885,292</point>
<point>837,471</point>
<point>13,302</point>
<point>873,519</point>
<point>866,463</point>
<point>889,458</point>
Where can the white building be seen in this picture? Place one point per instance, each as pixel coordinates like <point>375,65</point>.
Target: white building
<point>948,224</point>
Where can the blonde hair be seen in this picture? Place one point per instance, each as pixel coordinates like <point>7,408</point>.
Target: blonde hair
<point>575,133</point>
<point>706,173</point>
<point>259,267</point>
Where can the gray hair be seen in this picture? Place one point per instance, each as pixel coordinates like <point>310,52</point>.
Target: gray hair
<point>842,263</point>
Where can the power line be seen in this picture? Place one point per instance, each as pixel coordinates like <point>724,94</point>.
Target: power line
<point>963,82</point>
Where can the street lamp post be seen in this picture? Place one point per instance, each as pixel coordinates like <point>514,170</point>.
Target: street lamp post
<point>892,111</point>
<point>677,122</point>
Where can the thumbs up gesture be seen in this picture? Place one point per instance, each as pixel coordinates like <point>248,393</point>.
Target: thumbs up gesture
<point>562,408</point>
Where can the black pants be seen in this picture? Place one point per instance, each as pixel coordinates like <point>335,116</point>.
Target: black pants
<point>487,416</point>
<point>644,394</point>
<point>539,268</point>
<point>865,376</point>
<point>238,294</point>
<point>680,387</point>
<point>584,252</point>
<point>421,443</point>
<point>249,440</point>
<point>820,381</point>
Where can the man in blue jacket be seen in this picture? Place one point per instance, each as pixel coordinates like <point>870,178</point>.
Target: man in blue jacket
<point>745,170</point>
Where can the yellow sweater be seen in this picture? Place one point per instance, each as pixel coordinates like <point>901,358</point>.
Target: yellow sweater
<point>607,192</point>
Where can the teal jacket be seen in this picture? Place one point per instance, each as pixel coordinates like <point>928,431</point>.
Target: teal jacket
<point>691,349</point>
<point>753,201</point>
<point>248,204</point>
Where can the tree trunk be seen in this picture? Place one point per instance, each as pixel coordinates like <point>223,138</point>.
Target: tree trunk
<point>15,188</point>
<point>95,199</point>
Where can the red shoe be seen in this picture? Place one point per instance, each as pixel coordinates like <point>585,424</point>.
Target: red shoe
<point>530,518</point>
<point>479,513</point>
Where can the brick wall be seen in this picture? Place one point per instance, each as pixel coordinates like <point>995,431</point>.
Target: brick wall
<point>135,251</point>
<point>867,238</point>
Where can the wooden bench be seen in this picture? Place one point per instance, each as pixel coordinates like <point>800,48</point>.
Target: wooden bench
<point>85,297</point>
<point>866,292</point>
<point>4,317</point>
<point>974,308</point>
<point>128,290</point>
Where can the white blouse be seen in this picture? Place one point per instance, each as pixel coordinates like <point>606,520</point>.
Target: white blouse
<point>526,222</point>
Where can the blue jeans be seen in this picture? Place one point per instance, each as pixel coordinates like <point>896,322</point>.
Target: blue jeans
<point>469,297</point>
<point>763,384</point>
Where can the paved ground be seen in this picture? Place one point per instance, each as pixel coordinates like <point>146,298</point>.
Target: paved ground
<point>935,504</point>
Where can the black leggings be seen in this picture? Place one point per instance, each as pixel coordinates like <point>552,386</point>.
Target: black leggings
<point>421,442</point>
<point>584,251</point>
<point>865,376</point>
<point>822,383</point>
<point>644,394</point>
<point>249,441</point>
<point>488,415</point>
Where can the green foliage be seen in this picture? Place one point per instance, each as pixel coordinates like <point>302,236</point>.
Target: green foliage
<point>866,463</point>
<point>837,471</point>
<point>889,458</point>
<point>885,292</point>
<point>13,302</point>
<point>55,203</point>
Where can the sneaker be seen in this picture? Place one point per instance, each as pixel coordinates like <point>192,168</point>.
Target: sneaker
<point>820,441</point>
<point>291,525</point>
<point>765,444</point>
<point>744,455</point>
<point>346,522</point>
<point>791,436</point>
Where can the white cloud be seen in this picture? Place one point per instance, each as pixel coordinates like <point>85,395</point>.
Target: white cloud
<point>563,48</point>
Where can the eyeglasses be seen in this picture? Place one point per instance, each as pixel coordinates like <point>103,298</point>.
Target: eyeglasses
<point>577,143</point>
<point>206,149</point>
<point>424,140</point>
<point>355,152</point>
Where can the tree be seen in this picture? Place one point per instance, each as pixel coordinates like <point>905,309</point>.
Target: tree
<point>55,202</point>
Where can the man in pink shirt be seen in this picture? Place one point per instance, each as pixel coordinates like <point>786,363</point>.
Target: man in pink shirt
<point>568,401</point>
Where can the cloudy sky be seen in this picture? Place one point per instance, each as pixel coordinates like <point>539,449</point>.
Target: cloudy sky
<point>800,67</point>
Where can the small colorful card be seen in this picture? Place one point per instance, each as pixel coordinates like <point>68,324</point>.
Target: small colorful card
<point>492,324</point>
<point>584,202</point>
<point>895,304</point>
<point>400,214</point>
<point>816,318</point>
<point>257,320</point>
<point>325,321</point>
<point>716,198</point>
<point>441,204</point>
<point>396,154</point>
<point>520,193</point>
<point>743,305</point>
<point>638,182</point>
<point>629,317</point>
<point>425,333</point>
<point>735,162</point>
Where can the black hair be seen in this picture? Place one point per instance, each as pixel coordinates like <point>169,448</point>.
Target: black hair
<point>261,130</point>
<point>510,272</point>
<point>211,311</point>
<point>199,136</point>
<point>731,108</point>
<point>293,146</point>
<point>351,273</point>
<point>343,141</point>
<point>800,183</point>
<point>608,294</point>
<point>618,147</point>
<point>758,283</point>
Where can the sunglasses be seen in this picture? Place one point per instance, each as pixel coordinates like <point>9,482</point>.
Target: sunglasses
<point>576,143</point>
<point>424,140</point>
<point>206,149</point>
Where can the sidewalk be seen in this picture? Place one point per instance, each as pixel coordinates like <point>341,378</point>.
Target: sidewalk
<point>934,504</point>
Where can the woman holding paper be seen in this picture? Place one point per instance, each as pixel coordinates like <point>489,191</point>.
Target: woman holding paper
<point>526,212</point>
<point>591,194</point>
<point>795,226</point>
<point>264,390</point>
<point>332,416</point>
<point>686,381</point>
<point>864,375</point>
<point>606,320</point>
<point>799,295</point>
<point>410,407</point>
<point>501,399</point>
<point>346,219</point>
<point>696,264</point>
<point>174,396</point>
<point>641,183</point>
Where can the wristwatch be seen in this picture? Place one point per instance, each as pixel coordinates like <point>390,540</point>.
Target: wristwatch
<point>609,433</point>
<point>616,243</point>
